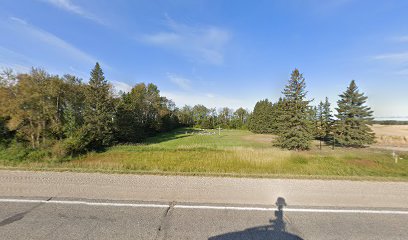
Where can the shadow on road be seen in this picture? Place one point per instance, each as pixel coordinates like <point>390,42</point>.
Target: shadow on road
<point>18,216</point>
<point>276,230</point>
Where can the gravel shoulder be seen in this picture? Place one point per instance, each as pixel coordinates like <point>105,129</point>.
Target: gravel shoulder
<point>213,190</point>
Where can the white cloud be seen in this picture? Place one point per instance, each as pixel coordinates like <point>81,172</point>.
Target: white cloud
<point>208,100</point>
<point>398,60</point>
<point>394,57</point>
<point>121,86</point>
<point>69,6</point>
<point>203,44</point>
<point>181,82</point>
<point>163,38</point>
<point>59,45</point>
<point>19,20</point>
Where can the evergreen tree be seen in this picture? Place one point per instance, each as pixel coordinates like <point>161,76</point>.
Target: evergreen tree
<point>326,119</point>
<point>261,120</point>
<point>277,110</point>
<point>353,119</point>
<point>99,110</point>
<point>324,122</point>
<point>295,125</point>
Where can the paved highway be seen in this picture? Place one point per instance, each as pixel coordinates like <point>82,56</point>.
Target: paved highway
<point>45,205</point>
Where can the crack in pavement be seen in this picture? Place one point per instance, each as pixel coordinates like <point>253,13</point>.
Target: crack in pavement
<point>161,230</point>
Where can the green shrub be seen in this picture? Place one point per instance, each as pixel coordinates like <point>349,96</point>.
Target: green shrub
<point>38,155</point>
<point>75,144</point>
<point>14,152</point>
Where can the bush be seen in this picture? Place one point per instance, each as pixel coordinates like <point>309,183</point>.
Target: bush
<point>14,152</point>
<point>18,151</point>
<point>38,155</point>
<point>75,144</point>
<point>58,150</point>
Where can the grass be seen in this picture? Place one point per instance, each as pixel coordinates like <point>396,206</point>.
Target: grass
<point>234,153</point>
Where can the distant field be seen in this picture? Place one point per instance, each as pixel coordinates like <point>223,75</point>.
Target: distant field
<point>391,136</point>
<point>235,152</point>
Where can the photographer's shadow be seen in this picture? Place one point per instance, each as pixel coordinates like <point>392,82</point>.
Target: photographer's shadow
<point>276,230</point>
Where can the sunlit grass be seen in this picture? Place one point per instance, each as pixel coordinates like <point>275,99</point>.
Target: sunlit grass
<point>234,152</point>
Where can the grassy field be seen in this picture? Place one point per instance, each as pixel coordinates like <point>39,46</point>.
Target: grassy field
<point>235,152</point>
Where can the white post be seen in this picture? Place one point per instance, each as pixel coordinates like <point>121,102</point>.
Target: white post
<point>395,157</point>
<point>219,131</point>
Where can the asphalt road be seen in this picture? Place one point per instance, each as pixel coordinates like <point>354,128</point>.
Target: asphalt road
<point>40,205</point>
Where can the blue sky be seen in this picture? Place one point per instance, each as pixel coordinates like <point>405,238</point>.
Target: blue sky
<point>218,53</point>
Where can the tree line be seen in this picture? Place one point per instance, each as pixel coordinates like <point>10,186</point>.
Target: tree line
<point>203,117</point>
<point>65,116</point>
<point>296,122</point>
<point>390,122</point>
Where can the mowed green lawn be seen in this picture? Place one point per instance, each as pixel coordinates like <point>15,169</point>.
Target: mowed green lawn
<point>236,153</point>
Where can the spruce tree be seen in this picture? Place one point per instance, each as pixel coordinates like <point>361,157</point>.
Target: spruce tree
<point>324,121</point>
<point>327,119</point>
<point>277,109</point>
<point>353,119</point>
<point>262,118</point>
<point>99,110</point>
<point>295,125</point>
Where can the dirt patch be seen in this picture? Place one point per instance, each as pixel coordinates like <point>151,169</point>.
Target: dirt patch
<point>363,162</point>
<point>261,138</point>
